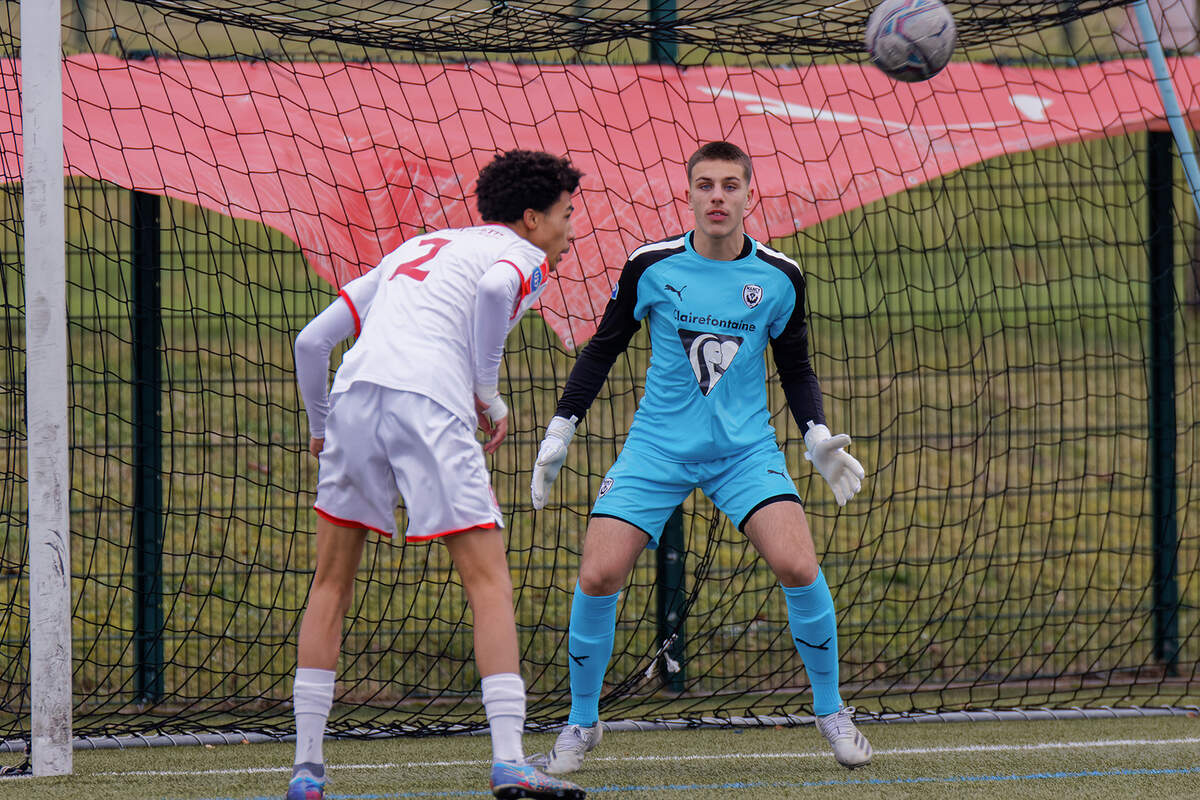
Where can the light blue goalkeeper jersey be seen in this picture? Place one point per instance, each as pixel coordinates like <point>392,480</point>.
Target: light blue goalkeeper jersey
<point>709,324</point>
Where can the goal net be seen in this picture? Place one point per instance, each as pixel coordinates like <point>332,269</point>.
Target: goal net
<point>1001,267</point>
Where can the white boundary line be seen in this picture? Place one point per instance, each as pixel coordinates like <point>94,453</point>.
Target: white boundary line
<point>906,751</point>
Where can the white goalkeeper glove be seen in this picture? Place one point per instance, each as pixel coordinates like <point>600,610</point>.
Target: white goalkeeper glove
<point>550,458</point>
<point>827,453</point>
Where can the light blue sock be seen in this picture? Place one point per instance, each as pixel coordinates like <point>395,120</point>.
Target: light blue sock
<point>589,647</point>
<point>814,631</point>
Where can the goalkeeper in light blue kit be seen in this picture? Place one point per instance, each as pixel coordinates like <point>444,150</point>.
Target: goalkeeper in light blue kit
<point>714,299</point>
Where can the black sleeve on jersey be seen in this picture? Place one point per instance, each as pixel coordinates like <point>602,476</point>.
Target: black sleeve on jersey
<point>613,335</point>
<point>790,349</point>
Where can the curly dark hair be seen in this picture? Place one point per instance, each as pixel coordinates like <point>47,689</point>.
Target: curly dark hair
<point>521,179</point>
<point>720,151</point>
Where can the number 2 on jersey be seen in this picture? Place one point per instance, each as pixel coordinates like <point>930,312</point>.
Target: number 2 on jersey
<point>411,268</point>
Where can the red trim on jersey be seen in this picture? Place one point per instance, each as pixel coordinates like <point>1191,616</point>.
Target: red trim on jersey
<point>353,313</point>
<point>526,288</point>
<point>520,292</point>
<point>487,526</point>
<point>514,266</point>
<point>347,523</point>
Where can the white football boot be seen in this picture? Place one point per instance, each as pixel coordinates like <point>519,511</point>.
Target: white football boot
<point>573,743</point>
<point>850,748</point>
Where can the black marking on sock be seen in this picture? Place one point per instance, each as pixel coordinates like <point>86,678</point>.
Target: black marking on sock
<point>822,646</point>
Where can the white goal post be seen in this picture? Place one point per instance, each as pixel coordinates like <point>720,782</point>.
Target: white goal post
<point>49,486</point>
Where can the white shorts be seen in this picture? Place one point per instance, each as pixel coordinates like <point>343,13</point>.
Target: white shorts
<point>382,444</point>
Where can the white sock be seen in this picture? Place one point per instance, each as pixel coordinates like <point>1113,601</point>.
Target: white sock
<point>312,697</point>
<point>504,704</point>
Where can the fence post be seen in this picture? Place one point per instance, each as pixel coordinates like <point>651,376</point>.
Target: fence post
<point>662,51</point>
<point>1160,244</point>
<point>146,326</point>
<point>670,553</point>
<point>671,592</point>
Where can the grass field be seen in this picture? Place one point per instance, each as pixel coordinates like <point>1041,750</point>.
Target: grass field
<point>1153,757</point>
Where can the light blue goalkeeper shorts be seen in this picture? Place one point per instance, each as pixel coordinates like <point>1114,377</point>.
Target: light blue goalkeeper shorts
<point>643,489</point>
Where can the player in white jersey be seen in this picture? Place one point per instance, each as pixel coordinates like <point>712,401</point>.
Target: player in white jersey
<point>400,420</point>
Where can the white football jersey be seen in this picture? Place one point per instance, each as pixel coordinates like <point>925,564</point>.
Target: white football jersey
<point>416,312</point>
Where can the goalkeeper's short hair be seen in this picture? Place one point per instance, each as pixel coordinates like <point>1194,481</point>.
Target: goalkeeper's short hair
<point>521,179</point>
<point>720,151</point>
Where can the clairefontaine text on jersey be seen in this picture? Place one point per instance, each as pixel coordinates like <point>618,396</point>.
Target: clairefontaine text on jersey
<point>708,319</point>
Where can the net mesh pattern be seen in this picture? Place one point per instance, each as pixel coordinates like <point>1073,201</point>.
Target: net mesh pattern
<point>985,336</point>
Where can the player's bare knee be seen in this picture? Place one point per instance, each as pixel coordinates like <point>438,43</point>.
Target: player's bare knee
<point>600,580</point>
<point>330,597</point>
<point>798,572</point>
<point>489,589</point>
<point>331,580</point>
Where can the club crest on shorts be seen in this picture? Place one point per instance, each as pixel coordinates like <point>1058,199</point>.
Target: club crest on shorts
<point>751,294</point>
<point>605,485</point>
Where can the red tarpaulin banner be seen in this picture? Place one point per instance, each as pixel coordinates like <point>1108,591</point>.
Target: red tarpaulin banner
<point>348,159</point>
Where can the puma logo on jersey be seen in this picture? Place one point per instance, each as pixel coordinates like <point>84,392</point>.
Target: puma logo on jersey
<point>710,354</point>
<point>776,472</point>
<point>678,292</point>
<point>822,646</point>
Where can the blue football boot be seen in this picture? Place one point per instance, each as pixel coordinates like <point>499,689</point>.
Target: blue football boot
<point>305,787</point>
<point>511,780</point>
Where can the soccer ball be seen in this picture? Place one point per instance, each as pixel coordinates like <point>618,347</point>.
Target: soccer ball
<point>911,40</point>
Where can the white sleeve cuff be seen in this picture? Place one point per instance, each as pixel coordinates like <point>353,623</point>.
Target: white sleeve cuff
<point>490,396</point>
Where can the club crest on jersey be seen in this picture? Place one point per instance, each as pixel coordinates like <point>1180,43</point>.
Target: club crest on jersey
<point>535,279</point>
<point>605,485</point>
<point>710,354</point>
<point>751,294</point>
<point>616,286</point>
